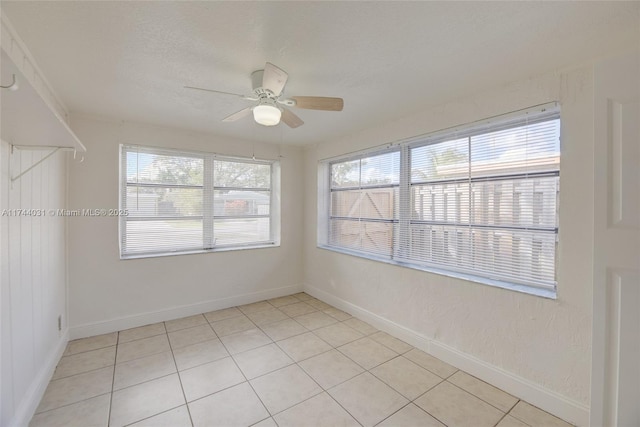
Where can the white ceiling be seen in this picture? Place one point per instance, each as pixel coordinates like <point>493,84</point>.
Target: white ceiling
<point>130,60</point>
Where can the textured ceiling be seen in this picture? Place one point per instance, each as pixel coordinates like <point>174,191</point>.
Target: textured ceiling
<point>130,60</point>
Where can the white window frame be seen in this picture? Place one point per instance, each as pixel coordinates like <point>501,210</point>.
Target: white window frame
<point>401,239</point>
<point>208,217</point>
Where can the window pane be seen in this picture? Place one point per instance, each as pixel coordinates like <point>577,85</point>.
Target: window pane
<point>444,160</point>
<point>163,202</point>
<point>516,202</point>
<point>163,236</point>
<point>374,203</point>
<point>151,168</point>
<point>240,231</point>
<point>241,203</point>
<point>345,174</point>
<point>529,148</point>
<point>237,174</point>
<point>380,170</point>
<point>441,202</point>
<point>366,236</point>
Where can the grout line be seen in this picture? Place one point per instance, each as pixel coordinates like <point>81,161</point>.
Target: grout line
<point>113,379</point>
<point>73,403</point>
<point>175,364</point>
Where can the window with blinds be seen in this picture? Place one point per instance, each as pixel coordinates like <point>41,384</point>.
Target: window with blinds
<point>478,201</point>
<point>364,203</point>
<point>180,202</point>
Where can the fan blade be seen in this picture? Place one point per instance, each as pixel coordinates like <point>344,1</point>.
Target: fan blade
<point>238,115</point>
<point>291,119</point>
<point>319,103</point>
<point>214,91</point>
<point>274,79</point>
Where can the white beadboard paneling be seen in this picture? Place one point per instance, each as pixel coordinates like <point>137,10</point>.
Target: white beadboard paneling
<point>33,279</point>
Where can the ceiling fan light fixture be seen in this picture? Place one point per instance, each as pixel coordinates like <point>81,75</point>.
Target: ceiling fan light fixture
<point>267,114</point>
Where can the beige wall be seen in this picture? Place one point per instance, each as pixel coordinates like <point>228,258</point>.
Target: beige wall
<point>106,293</point>
<point>544,343</point>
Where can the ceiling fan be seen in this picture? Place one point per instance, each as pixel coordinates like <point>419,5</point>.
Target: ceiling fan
<point>268,85</point>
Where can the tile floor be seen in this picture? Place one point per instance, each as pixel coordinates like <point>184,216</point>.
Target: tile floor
<point>290,361</point>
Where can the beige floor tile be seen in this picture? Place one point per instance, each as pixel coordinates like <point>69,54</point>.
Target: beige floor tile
<point>490,394</point>
<point>209,378</point>
<point>535,417</point>
<point>318,305</point>
<point>367,353</point>
<point>145,400</point>
<point>337,314</point>
<point>178,417</point>
<point>84,362</point>
<point>319,411</point>
<point>267,316</point>
<point>303,346</point>
<point>393,343</point>
<point>141,332</point>
<point>509,421</point>
<point>302,296</point>
<point>143,347</point>
<point>284,329</point>
<point>232,325</point>
<point>91,343</point>
<point>456,407</point>
<point>236,406</point>
<point>315,320</point>
<point>185,337</point>
<point>368,399</point>
<point>284,388</point>
<point>297,309</point>
<point>331,368</point>
<point>245,340</point>
<point>279,302</point>
<point>199,354</point>
<point>225,313</point>
<point>92,412</point>
<point>76,388</point>
<point>433,364</point>
<point>406,377</point>
<point>255,307</point>
<point>338,334</point>
<point>360,326</point>
<point>185,322</point>
<point>266,423</point>
<point>144,369</point>
<point>262,360</point>
<point>411,416</point>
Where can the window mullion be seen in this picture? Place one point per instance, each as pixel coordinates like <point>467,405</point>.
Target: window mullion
<point>402,243</point>
<point>207,203</point>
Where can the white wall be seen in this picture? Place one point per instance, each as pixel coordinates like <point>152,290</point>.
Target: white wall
<point>528,344</point>
<point>32,280</point>
<point>107,294</point>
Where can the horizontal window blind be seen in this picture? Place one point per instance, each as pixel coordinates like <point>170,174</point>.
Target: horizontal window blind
<point>364,203</point>
<point>182,202</point>
<point>479,200</point>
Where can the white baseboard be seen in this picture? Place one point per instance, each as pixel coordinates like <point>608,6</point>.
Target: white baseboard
<point>29,404</point>
<point>127,322</point>
<point>548,400</point>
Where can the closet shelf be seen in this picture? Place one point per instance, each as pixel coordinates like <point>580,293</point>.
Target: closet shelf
<point>26,118</point>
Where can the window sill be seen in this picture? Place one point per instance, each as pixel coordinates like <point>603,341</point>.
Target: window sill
<point>199,251</point>
<point>531,290</point>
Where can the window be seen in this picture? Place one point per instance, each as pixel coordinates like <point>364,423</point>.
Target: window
<point>478,201</point>
<point>364,197</point>
<point>180,202</point>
